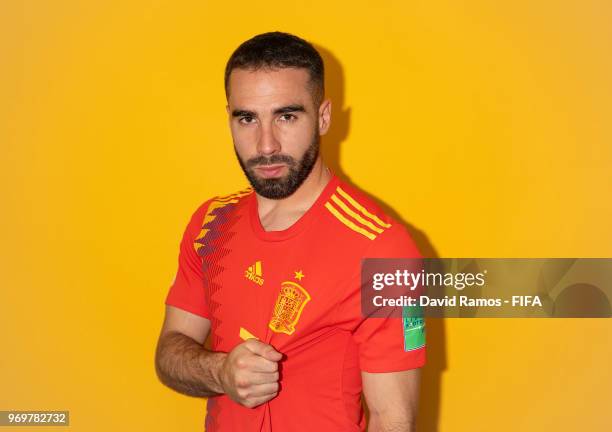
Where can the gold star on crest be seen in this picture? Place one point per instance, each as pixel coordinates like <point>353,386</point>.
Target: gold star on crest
<point>299,275</point>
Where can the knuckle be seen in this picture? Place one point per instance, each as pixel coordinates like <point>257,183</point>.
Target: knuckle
<point>240,363</point>
<point>241,382</point>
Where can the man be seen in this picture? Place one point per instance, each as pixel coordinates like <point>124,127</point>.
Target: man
<point>272,272</point>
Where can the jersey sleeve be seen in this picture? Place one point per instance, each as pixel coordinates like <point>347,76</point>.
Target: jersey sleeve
<point>381,340</point>
<point>187,291</point>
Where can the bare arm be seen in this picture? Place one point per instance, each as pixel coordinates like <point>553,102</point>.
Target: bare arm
<point>248,374</point>
<point>392,400</point>
<point>181,361</point>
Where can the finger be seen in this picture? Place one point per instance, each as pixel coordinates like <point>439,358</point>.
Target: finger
<point>272,355</point>
<point>260,364</point>
<point>255,402</point>
<point>262,349</point>
<point>258,378</point>
<point>263,390</point>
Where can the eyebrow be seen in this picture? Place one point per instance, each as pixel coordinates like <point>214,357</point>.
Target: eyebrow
<point>281,110</point>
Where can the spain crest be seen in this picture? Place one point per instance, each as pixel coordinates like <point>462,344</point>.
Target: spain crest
<point>288,307</point>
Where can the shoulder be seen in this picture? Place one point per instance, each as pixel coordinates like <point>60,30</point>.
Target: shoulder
<point>215,210</point>
<point>210,206</point>
<point>361,221</point>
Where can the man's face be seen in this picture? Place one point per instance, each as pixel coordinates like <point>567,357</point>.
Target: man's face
<point>275,128</point>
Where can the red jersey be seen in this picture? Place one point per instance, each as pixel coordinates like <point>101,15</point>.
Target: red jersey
<point>298,290</point>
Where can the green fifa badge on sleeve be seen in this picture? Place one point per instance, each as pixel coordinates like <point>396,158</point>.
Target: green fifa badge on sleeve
<point>414,328</point>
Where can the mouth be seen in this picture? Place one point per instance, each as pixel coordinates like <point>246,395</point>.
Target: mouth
<point>270,171</point>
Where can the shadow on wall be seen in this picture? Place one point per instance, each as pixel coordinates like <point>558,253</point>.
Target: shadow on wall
<point>429,404</point>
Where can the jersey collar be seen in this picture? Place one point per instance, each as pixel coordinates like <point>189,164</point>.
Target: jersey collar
<point>306,219</point>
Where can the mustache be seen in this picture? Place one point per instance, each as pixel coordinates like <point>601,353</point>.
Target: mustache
<point>274,159</point>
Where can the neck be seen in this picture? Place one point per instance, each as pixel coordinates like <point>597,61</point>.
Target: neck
<point>302,199</point>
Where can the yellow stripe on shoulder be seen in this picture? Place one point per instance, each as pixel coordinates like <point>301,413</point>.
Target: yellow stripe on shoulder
<point>231,197</point>
<point>350,212</point>
<point>361,208</point>
<point>349,223</point>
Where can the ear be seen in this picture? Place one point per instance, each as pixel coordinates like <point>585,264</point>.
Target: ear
<point>324,116</point>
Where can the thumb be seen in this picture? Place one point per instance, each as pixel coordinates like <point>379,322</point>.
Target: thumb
<point>263,349</point>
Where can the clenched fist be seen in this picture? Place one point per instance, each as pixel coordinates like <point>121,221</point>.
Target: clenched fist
<point>249,374</point>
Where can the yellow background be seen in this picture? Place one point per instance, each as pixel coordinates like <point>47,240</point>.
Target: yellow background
<point>484,125</point>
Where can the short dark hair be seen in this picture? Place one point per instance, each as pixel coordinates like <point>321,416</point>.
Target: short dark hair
<point>278,50</point>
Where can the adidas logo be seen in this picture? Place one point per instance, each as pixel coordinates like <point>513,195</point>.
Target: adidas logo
<point>253,273</point>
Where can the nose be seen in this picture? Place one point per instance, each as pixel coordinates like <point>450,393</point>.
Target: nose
<point>268,143</point>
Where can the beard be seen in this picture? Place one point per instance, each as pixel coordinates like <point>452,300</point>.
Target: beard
<point>281,187</point>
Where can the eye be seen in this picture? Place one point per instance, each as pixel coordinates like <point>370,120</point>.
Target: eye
<point>288,117</point>
<point>245,119</point>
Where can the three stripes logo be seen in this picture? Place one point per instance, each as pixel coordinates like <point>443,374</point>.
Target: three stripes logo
<point>254,273</point>
<point>354,215</point>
